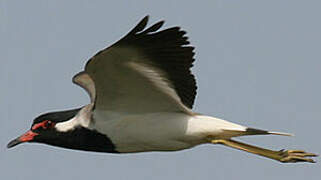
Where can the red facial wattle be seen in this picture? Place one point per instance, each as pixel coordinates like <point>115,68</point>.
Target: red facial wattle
<point>44,124</point>
<point>28,136</point>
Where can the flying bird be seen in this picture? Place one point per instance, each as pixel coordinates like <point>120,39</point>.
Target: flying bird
<point>141,93</point>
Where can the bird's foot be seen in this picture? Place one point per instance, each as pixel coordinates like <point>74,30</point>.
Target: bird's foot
<point>291,156</point>
<point>284,156</point>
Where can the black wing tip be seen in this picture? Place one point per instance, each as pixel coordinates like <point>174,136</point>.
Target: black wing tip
<point>146,17</point>
<point>142,25</point>
<point>140,28</point>
<point>144,20</point>
<point>154,27</point>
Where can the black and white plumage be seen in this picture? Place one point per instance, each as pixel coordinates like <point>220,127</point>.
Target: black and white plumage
<point>142,93</point>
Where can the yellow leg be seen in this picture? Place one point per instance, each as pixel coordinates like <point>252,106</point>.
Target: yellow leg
<point>284,156</point>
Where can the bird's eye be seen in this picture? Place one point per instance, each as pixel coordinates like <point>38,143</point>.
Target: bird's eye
<point>48,124</point>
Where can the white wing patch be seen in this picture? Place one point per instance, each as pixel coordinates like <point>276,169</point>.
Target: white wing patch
<point>158,78</point>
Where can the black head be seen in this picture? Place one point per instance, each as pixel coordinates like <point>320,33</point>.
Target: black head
<point>43,130</point>
<point>56,117</point>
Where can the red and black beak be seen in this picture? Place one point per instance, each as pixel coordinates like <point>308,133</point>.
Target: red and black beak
<point>26,137</point>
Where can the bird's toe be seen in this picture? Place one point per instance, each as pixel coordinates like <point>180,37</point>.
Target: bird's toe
<point>290,156</point>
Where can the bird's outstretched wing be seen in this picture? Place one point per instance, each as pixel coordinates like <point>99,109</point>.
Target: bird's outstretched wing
<point>146,71</point>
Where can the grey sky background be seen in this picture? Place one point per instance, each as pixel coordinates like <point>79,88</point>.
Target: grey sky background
<point>257,63</point>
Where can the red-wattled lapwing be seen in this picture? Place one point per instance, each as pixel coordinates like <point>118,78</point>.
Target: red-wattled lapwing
<point>142,92</point>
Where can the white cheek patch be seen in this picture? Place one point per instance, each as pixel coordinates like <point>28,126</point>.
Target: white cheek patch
<point>77,121</point>
<point>82,119</point>
<point>67,125</point>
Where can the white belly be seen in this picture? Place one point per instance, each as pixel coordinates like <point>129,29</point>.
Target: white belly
<point>155,131</point>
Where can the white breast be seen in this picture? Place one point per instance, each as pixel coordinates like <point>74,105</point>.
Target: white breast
<point>148,132</point>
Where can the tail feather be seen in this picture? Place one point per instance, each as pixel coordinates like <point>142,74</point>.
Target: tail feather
<point>280,133</point>
<point>253,131</point>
